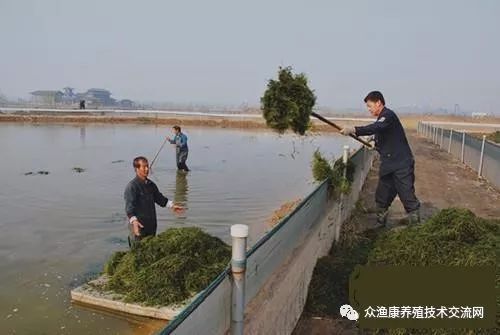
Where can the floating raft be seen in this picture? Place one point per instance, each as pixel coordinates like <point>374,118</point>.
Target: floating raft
<point>93,294</point>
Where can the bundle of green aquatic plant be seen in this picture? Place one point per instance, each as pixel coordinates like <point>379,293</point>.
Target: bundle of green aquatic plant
<point>168,268</point>
<point>322,170</point>
<point>288,102</point>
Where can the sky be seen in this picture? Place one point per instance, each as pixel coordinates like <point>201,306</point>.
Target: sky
<point>427,53</point>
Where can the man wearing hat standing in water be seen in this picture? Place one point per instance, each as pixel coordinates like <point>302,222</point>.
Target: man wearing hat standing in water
<point>397,165</point>
<point>140,195</point>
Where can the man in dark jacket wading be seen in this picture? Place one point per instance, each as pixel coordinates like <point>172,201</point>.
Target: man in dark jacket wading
<point>140,195</point>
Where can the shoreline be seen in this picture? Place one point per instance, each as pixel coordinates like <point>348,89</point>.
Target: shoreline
<point>232,121</point>
<point>220,120</point>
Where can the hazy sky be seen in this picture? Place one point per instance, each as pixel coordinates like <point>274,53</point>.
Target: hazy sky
<point>222,52</point>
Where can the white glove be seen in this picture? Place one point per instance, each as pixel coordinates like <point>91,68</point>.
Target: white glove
<point>348,131</point>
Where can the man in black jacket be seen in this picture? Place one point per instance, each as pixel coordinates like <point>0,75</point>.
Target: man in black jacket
<point>140,195</point>
<point>397,165</point>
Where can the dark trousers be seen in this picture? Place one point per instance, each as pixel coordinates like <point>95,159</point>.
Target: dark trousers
<point>400,182</point>
<point>181,157</point>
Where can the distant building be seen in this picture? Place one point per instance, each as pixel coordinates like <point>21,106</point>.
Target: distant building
<point>47,97</point>
<point>69,95</point>
<point>479,115</point>
<point>94,98</point>
<point>126,103</point>
<point>97,96</point>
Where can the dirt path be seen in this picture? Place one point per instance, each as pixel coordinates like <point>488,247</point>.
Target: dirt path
<point>441,182</point>
<point>445,182</point>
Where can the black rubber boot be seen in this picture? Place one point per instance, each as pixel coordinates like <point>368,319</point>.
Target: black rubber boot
<point>382,214</point>
<point>414,217</point>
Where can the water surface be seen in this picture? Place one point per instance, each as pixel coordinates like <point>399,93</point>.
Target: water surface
<point>56,230</point>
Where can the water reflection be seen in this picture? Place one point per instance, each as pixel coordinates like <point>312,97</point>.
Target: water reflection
<point>53,236</point>
<point>83,134</point>
<point>181,195</point>
<point>181,188</point>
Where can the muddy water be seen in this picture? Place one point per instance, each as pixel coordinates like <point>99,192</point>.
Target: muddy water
<point>58,229</point>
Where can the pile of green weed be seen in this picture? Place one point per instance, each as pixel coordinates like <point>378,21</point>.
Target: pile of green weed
<point>453,237</point>
<point>168,268</point>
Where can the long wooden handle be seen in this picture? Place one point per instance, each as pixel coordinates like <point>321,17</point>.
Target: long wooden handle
<point>154,159</point>
<point>319,117</point>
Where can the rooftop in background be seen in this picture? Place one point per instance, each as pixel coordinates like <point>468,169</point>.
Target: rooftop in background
<point>98,90</point>
<point>46,93</point>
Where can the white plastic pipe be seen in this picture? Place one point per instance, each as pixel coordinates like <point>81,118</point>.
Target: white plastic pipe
<point>239,234</point>
<point>480,169</point>
<point>345,158</point>
<point>451,137</point>
<point>345,155</point>
<point>463,144</point>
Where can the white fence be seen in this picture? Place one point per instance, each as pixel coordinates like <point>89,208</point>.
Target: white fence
<point>481,155</point>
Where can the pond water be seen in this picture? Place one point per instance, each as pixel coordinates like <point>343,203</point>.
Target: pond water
<point>58,229</point>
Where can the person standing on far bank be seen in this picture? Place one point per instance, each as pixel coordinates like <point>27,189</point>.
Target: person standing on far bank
<point>397,165</point>
<point>181,148</point>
